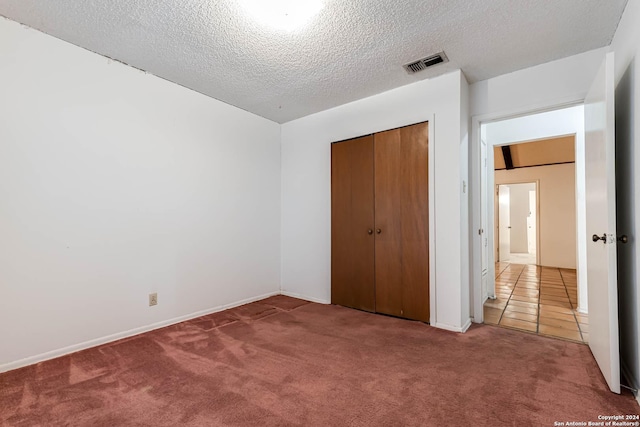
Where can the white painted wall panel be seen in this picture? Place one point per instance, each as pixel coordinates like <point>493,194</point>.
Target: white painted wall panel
<point>566,79</point>
<point>115,184</point>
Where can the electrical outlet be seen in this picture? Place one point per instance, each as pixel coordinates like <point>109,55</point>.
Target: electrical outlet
<point>153,299</point>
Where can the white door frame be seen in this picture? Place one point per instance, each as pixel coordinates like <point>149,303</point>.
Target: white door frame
<point>532,241</point>
<point>503,215</point>
<point>474,179</point>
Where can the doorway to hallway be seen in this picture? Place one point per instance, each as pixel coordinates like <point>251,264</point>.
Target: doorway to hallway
<point>539,184</point>
<point>517,223</point>
<point>593,126</point>
<point>536,248</point>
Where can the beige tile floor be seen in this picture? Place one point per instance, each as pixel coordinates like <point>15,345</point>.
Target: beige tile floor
<point>540,300</point>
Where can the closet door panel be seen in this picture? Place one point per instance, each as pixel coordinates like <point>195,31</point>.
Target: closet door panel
<point>352,220</point>
<point>415,222</point>
<point>388,247</point>
<point>402,216</point>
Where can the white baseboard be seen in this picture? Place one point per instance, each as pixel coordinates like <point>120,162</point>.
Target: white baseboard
<point>461,329</point>
<point>304,297</point>
<point>582,310</point>
<point>120,335</point>
<point>466,326</point>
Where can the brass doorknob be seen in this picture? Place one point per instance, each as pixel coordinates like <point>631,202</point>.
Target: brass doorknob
<point>378,230</point>
<point>623,239</point>
<point>369,231</point>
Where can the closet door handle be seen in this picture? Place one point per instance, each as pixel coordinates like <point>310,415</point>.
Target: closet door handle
<point>369,231</point>
<point>378,230</point>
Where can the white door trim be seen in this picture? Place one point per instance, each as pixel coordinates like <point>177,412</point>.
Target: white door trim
<point>475,168</point>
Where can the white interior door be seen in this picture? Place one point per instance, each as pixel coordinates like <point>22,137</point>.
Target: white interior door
<point>601,223</point>
<point>531,222</point>
<point>504,223</point>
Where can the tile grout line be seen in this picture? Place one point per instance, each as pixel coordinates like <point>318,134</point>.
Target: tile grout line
<point>570,308</point>
<point>511,294</point>
<point>539,282</point>
<point>539,294</point>
<point>505,306</point>
<point>573,311</point>
<point>507,266</point>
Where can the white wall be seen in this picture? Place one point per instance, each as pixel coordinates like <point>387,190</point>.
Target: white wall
<point>115,184</point>
<point>306,187</point>
<point>549,124</point>
<point>557,208</point>
<point>539,87</point>
<point>465,220</point>
<point>519,211</point>
<point>626,45</point>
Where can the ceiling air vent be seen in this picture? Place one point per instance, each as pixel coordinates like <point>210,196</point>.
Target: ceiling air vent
<point>424,63</point>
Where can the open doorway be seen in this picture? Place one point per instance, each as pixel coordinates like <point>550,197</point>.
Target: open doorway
<point>517,223</point>
<point>536,174</point>
<point>597,273</point>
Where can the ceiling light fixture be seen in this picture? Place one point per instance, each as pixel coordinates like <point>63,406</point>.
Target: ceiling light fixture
<point>287,15</point>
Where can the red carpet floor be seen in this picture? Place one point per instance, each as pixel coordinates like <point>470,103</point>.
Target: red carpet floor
<point>283,361</point>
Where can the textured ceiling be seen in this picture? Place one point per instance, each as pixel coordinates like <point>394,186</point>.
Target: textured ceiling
<point>352,49</point>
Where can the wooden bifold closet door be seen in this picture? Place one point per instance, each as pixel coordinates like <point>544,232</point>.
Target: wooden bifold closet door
<point>352,223</point>
<point>380,223</point>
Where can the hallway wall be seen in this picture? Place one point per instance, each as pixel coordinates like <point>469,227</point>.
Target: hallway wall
<point>557,210</point>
